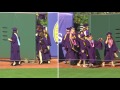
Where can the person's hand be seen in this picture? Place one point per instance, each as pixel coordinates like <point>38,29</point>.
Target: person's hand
<point>107,37</point>
<point>79,36</point>
<point>36,34</point>
<point>9,39</point>
<point>100,39</point>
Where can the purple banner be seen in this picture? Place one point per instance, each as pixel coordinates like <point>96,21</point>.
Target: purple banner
<point>53,32</point>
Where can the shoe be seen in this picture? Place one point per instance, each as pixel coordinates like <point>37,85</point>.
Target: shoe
<point>19,63</point>
<point>48,62</point>
<point>78,65</point>
<point>103,64</point>
<point>113,65</point>
<point>13,64</point>
<point>65,62</point>
<point>40,62</point>
<point>91,65</point>
<point>84,66</point>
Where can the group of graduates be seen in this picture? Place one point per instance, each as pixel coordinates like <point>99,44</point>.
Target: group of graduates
<point>43,44</point>
<point>81,48</point>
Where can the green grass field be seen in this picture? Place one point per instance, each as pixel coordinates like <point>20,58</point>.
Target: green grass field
<point>89,72</point>
<point>63,73</point>
<point>29,73</point>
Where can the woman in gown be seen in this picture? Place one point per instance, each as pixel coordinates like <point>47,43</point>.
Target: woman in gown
<point>110,50</point>
<point>15,48</point>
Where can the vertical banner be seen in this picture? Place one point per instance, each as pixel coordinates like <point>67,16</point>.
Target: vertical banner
<point>65,21</point>
<point>53,32</point>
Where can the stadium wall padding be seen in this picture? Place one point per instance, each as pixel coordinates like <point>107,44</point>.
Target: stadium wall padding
<point>26,24</point>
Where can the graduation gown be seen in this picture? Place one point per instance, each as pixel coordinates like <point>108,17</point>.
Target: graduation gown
<point>82,45</point>
<point>46,56</point>
<point>65,39</point>
<point>37,41</point>
<point>37,44</point>
<point>15,49</point>
<point>70,52</point>
<point>109,52</point>
<point>92,50</point>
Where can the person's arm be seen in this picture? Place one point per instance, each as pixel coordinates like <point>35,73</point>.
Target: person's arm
<point>12,39</point>
<point>98,44</point>
<point>9,39</point>
<point>106,42</point>
<point>36,34</point>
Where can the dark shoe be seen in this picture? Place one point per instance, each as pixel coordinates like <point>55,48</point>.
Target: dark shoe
<point>11,64</point>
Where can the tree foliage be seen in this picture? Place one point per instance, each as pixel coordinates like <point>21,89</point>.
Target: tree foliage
<point>82,17</point>
<point>42,21</point>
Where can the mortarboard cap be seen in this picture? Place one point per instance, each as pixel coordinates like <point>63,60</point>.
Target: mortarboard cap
<point>14,29</point>
<point>82,35</point>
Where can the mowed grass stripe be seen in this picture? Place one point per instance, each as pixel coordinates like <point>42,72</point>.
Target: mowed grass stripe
<point>89,72</point>
<point>29,73</point>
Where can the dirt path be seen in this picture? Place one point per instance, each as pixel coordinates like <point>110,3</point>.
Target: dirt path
<point>62,65</point>
<point>53,64</point>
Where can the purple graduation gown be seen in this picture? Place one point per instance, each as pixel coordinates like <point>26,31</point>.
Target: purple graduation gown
<point>83,55</point>
<point>65,37</point>
<point>37,44</point>
<point>109,52</point>
<point>15,49</point>
<point>64,40</point>
<point>70,53</point>
<point>47,42</point>
<point>92,50</point>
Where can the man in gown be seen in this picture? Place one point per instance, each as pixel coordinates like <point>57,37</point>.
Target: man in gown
<point>92,45</point>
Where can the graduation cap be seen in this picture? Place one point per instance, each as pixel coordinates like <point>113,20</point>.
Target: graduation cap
<point>39,25</point>
<point>82,35</point>
<point>109,33</point>
<point>38,31</point>
<point>14,29</point>
<point>44,28</point>
<point>67,29</point>
<point>72,28</point>
<point>89,35</point>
